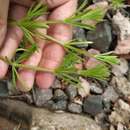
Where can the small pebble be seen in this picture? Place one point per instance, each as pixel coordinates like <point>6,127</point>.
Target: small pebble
<point>78,100</point>
<point>41,96</point>
<point>84,89</point>
<point>49,104</point>
<point>124,106</point>
<point>59,95</point>
<point>115,117</point>
<point>110,94</point>
<point>121,69</point>
<point>3,89</point>
<point>60,105</point>
<point>79,34</point>
<point>101,36</point>
<point>95,89</point>
<point>120,126</point>
<point>122,85</point>
<point>56,84</point>
<point>93,105</point>
<point>74,108</point>
<point>71,91</point>
<point>101,119</point>
<point>107,106</point>
<point>112,127</point>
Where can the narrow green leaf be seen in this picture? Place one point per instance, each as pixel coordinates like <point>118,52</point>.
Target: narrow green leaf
<point>26,54</point>
<point>116,4</point>
<point>100,72</point>
<point>110,59</point>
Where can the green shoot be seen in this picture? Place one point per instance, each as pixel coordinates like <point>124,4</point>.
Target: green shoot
<point>82,6</point>
<point>29,23</point>
<point>100,72</point>
<point>75,20</point>
<point>67,71</point>
<point>26,53</point>
<point>70,74</point>
<point>36,11</point>
<point>107,58</point>
<point>117,4</point>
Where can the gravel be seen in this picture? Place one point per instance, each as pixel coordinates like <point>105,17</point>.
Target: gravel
<point>71,91</point>
<point>74,108</point>
<point>93,105</point>
<point>110,94</point>
<point>59,95</point>
<point>95,89</point>
<point>102,37</point>
<point>41,96</point>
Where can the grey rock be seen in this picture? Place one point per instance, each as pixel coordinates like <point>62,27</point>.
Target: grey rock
<point>101,119</point>
<point>121,113</point>
<point>56,84</point>
<point>102,37</point>
<point>27,97</point>
<point>41,96</point>
<point>42,119</point>
<point>63,121</point>
<point>95,89</point>
<point>110,94</point>
<point>121,85</point>
<point>59,105</point>
<point>79,34</point>
<point>107,106</point>
<point>12,89</point>
<point>74,108</point>
<point>120,69</point>
<point>122,25</point>
<point>71,91</point>
<point>59,95</point>
<point>49,104</point>
<point>93,105</point>
<point>3,89</point>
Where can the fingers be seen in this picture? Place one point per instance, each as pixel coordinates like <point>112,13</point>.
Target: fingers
<point>4,5</point>
<point>26,3</point>
<point>53,53</point>
<point>13,38</point>
<point>54,3</point>
<point>28,76</point>
<point>50,3</point>
<point>52,57</point>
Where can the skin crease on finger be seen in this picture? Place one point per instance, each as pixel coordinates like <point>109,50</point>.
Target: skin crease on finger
<point>53,53</point>
<point>13,38</point>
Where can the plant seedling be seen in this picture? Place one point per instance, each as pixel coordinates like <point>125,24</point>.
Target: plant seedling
<point>67,71</point>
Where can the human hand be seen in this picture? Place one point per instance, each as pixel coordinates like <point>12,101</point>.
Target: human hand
<point>49,55</point>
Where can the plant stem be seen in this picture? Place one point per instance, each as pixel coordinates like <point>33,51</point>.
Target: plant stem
<point>31,67</point>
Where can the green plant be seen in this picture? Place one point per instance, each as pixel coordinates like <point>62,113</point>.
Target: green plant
<point>67,71</point>
<point>117,4</point>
